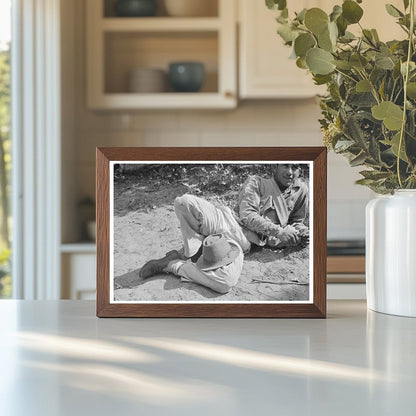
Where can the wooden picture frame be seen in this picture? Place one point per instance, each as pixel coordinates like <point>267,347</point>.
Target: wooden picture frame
<point>114,300</point>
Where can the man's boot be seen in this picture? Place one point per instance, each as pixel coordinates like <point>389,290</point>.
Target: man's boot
<point>156,266</point>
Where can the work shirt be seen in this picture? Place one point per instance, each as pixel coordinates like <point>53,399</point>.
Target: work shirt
<point>263,209</point>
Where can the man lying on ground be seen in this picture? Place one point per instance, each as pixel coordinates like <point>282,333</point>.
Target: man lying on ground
<point>270,212</point>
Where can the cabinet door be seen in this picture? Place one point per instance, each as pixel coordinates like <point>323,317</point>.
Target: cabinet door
<point>78,276</point>
<point>266,71</point>
<point>265,68</point>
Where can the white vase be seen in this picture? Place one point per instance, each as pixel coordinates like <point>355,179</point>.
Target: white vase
<point>391,253</point>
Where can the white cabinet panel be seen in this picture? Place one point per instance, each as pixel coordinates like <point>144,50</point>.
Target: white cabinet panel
<point>264,66</point>
<point>265,69</point>
<point>78,276</point>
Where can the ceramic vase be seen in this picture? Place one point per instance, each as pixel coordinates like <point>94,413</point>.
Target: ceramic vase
<point>391,253</point>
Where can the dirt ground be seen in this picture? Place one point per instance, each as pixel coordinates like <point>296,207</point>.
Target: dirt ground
<point>146,227</point>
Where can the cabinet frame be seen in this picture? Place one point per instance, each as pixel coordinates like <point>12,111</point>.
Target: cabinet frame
<point>224,26</point>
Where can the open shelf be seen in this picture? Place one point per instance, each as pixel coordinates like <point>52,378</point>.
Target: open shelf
<point>127,51</point>
<point>116,46</point>
<point>160,24</point>
<point>209,9</point>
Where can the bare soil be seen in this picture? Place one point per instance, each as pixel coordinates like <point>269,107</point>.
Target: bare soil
<point>146,227</point>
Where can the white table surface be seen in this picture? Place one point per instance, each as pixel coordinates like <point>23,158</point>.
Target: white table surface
<point>57,358</point>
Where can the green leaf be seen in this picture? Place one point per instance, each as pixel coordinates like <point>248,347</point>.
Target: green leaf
<point>358,61</point>
<point>303,43</point>
<point>347,37</point>
<point>282,20</point>
<point>353,131</point>
<point>343,145</point>
<point>406,4</point>
<point>382,89</point>
<point>345,65</point>
<point>405,21</point>
<point>287,33</point>
<point>411,90</point>
<point>365,182</point>
<point>333,32</point>
<point>292,53</point>
<point>363,86</point>
<point>368,36</point>
<point>391,114</point>
<point>393,11</point>
<point>319,61</point>
<point>342,25</point>
<point>412,67</point>
<point>301,63</point>
<point>411,123</point>
<point>321,79</point>
<point>362,99</point>
<point>336,12</point>
<point>325,42</point>
<point>316,20</point>
<point>358,160</point>
<point>384,62</point>
<point>374,174</point>
<point>396,70</point>
<point>374,150</point>
<point>375,35</point>
<point>394,143</point>
<point>301,15</point>
<point>276,4</point>
<point>351,11</point>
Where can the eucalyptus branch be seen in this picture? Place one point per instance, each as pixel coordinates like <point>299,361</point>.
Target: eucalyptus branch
<point>392,90</point>
<point>398,95</point>
<point>346,75</point>
<point>373,88</point>
<point>406,79</point>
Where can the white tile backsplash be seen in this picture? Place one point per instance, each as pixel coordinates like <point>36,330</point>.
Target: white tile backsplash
<point>346,219</point>
<point>257,123</point>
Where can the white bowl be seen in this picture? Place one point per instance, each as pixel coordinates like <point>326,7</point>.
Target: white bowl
<point>191,8</point>
<point>147,80</point>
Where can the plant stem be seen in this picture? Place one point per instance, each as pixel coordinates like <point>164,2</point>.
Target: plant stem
<point>406,79</point>
<point>346,75</point>
<point>373,88</point>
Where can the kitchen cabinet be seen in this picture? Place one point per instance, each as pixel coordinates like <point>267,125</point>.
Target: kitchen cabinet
<point>265,70</point>
<point>346,274</point>
<point>78,263</point>
<point>118,45</point>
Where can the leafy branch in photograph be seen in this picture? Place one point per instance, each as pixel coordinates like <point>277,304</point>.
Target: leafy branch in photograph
<point>219,180</point>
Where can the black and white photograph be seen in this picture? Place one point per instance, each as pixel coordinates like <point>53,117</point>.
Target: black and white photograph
<point>211,232</point>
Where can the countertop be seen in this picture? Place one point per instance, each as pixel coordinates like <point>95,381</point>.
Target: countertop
<point>57,358</point>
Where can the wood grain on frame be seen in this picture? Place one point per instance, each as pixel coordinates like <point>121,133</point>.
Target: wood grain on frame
<point>317,309</point>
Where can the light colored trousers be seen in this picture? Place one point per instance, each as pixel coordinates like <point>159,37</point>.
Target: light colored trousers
<point>198,219</point>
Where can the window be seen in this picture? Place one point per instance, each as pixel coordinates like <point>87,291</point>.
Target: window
<point>5,145</point>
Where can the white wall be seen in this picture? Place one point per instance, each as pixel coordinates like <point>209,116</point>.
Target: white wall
<point>253,123</point>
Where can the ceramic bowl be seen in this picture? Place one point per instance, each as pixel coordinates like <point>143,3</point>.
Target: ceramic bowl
<point>147,80</point>
<point>191,8</point>
<point>135,8</point>
<point>186,76</point>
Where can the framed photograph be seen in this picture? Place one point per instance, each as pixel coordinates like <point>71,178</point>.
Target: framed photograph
<point>211,232</point>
